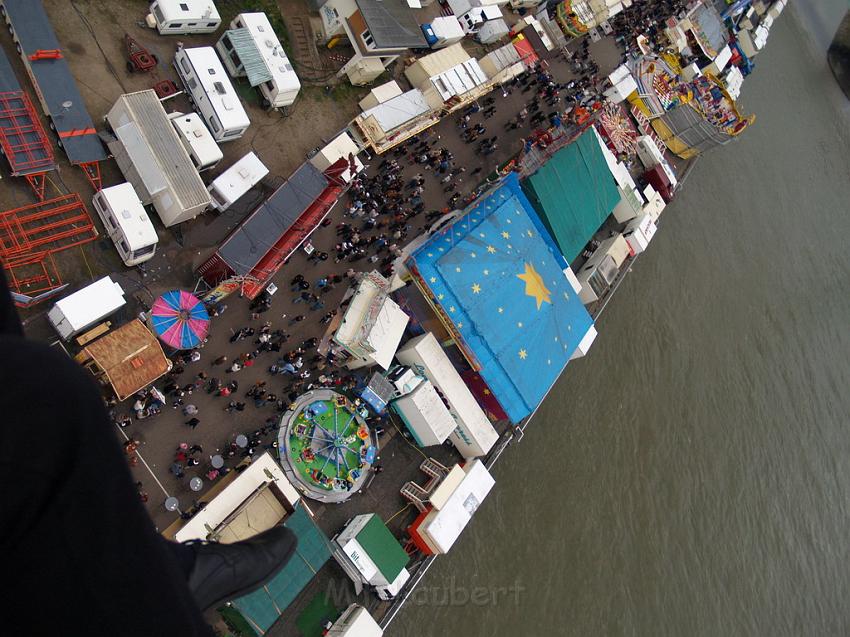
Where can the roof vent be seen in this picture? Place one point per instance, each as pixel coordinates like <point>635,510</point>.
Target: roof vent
<point>219,88</point>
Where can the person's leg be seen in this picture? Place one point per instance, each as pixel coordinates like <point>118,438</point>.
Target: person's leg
<point>80,554</point>
<point>79,549</point>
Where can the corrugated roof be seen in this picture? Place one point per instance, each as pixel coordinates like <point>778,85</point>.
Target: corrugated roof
<point>131,358</point>
<point>252,240</point>
<point>169,154</point>
<point>250,56</point>
<point>392,24</point>
<point>394,112</point>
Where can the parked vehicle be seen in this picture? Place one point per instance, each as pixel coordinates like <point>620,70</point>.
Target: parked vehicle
<point>234,182</point>
<point>126,222</point>
<point>211,92</point>
<point>251,36</point>
<point>176,17</point>
<point>197,140</point>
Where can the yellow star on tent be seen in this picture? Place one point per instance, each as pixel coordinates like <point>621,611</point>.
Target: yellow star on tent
<point>433,279</point>
<point>459,325</point>
<point>486,392</point>
<point>491,249</point>
<point>534,285</point>
<point>501,309</point>
<point>529,233</point>
<point>451,308</point>
<point>476,289</point>
<point>440,296</point>
<point>523,354</point>
<point>506,235</point>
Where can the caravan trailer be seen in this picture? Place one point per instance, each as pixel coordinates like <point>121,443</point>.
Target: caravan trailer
<point>177,17</point>
<point>211,92</point>
<point>234,182</point>
<point>265,63</point>
<point>126,222</point>
<point>197,140</point>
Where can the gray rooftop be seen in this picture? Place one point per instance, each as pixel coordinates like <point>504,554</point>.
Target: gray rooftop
<point>256,236</point>
<point>392,24</point>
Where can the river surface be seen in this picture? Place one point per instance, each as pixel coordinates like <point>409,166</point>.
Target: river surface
<point>691,476</point>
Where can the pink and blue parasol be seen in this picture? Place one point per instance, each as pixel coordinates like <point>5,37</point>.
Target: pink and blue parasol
<point>180,319</point>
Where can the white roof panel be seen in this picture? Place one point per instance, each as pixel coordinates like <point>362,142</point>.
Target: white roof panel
<point>398,110</point>
<point>387,333</point>
<point>240,177</point>
<point>135,222</point>
<point>216,84</point>
<point>98,299</point>
<point>269,47</point>
<point>443,526</point>
<point>155,149</point>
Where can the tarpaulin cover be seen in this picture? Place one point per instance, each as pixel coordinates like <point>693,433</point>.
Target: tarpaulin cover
<point>498,276</point>
<point>263,607</point>
<point>574,192</point>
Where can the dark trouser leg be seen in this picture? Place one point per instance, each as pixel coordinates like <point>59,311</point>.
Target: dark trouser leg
<point>80,554</point>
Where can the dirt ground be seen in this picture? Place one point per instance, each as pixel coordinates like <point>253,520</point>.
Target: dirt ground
<point>91,33</point>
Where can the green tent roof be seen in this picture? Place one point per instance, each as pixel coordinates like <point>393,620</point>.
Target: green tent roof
<point>382,548</point>
<point>263,607</point>
<point>574,193</point>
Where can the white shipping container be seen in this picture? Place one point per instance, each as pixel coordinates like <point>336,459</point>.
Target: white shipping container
<point>84,308</point>
<point>639,232</point>
<point>473,435</point>
<point>426,416</point>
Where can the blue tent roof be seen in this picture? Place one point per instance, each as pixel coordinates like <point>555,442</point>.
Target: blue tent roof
<point>498,276</point>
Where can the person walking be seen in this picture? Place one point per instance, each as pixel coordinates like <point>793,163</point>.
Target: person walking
<point>193,422</point>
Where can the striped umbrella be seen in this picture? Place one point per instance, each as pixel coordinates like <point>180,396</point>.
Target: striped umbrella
<point>180,319</point>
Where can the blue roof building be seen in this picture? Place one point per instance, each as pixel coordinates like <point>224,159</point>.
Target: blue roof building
<point>496,278</point>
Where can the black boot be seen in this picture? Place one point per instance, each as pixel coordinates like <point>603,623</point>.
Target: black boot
<point>226,571</point>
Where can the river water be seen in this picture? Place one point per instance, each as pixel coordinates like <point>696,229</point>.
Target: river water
<point>691,476</point>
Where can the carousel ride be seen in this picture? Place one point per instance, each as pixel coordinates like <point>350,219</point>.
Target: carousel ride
<point>326,446</point>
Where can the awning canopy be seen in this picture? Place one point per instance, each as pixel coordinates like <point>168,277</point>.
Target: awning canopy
<point>252,61</point>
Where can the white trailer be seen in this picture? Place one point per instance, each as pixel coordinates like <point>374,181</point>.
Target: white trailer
<point>126,223</point>
<point>355,621</point>
<point>252,49</point>
<point>602,268</point>
<point>425,415</point>
<point>152,158</point>
<point>197,140</point>
<point>492,31</point>
<point>211,92</point>
<point>177,17</point>
<point>234,182</point>
<point>474,435</point>
<point>82,309</point>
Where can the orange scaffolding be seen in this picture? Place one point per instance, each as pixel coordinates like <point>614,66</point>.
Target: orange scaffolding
<point>24,142</point>
<point>31,235</point>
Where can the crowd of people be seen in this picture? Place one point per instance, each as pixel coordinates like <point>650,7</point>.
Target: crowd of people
<point>399,195</point>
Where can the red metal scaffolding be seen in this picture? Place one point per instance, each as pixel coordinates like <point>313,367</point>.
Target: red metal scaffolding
<point>31,235</point>
<point>24,142</point>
